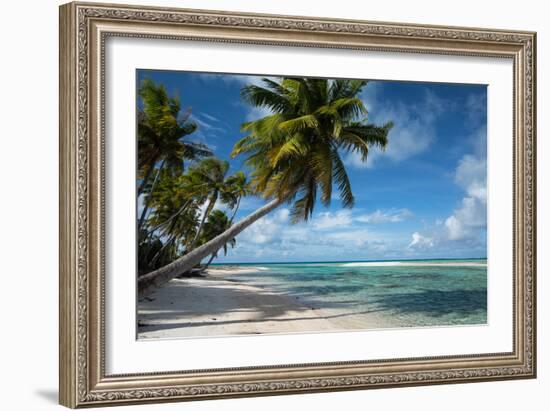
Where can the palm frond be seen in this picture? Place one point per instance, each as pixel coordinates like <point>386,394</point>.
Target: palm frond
<point>262,97</point>
<point>295,152</point>
<point>299,124</point>
<point>321,165</point>
<point>341,179</point>
<point>296,145</point>
<point>371,134</point>
<point>302,209</point>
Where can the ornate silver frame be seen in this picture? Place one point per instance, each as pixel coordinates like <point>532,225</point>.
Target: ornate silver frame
<point>83,30</point>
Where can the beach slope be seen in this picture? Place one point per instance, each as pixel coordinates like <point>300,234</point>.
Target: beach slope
<point>219,305</point>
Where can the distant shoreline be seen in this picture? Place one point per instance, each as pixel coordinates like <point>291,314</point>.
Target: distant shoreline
<point>412,260</point>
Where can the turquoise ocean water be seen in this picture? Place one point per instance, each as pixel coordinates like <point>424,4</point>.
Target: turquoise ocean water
<point>408,293</point>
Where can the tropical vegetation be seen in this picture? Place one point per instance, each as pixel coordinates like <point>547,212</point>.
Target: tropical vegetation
<point>293,155</point>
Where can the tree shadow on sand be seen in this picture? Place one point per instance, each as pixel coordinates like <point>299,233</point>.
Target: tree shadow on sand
<point>179,301</point>
<point>158,327</point>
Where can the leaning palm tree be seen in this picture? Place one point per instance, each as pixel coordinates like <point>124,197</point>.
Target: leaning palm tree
<point>294,153</point>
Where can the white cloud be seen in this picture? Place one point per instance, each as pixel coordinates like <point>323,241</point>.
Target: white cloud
<point>344,218</point>
<point>462,229</point>
<point>394,215</point>
<point>329,234</point>
<point>209,117</point>
<point>467,220</point>
<point>207,125</point>
<point>420,241</point>
<point>471,175</point>
<point>339,234</point>
<point>325,220</point>
<point>266,229</point>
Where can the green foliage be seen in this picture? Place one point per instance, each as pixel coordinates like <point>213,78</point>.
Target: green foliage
<point>217,223</point>
<point>162,133</point>
<point>295,153</point>
<point>170,216</point>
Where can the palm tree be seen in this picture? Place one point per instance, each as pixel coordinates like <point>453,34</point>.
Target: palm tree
<point>172,223</point>
<point>175,223</point>
<point>238,187</point>
<point>217,223</point>
<point>295,153</point>
<point>162,132</point>
<point>172,197</point>
<point>208,180</point>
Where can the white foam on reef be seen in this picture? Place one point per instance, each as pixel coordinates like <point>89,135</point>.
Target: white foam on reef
<point>414,264</point>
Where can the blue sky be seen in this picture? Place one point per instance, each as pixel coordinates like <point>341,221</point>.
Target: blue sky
<point>424,197</point>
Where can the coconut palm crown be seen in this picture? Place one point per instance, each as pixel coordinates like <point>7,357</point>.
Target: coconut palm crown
<point>296,152</point>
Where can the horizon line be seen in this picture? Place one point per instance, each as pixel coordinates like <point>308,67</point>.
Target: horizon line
<point>351,261</point>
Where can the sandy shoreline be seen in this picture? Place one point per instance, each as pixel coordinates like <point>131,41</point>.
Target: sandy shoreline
<point>218,305</point>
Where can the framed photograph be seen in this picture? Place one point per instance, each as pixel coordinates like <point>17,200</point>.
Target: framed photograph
<point>259,204</point>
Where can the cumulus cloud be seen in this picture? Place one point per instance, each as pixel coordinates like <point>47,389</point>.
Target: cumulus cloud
<point>420,241</point>
<point>266,229</point>
<point>328,234</point>
<point>462,230</point>
<point>394,215</point>
<point>471,216</point>
<point>345,218</point>
<point>471,175</point>
<point>325,220</point>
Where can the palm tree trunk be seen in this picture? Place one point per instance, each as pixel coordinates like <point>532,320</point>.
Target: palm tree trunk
<point>145,205</point>
<point>203,269</point>
<point>230,222</point>
<point>159,252</point>
<point>211,203</point>
<point>154,279</point>
<point>145,179</point>
<point>235,210</point>
<point>177,213</point>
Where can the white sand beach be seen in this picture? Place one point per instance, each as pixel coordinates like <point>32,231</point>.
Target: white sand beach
<point>219,305</point>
